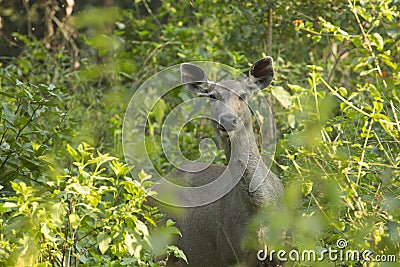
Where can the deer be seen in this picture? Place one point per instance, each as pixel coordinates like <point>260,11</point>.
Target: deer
<point>213,234</point>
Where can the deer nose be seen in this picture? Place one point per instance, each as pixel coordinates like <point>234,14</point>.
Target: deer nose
<point>228,122</point>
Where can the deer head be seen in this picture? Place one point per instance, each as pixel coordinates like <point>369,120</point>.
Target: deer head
<point>229,97</point>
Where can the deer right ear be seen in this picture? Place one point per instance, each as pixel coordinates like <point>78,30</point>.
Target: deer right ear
<point>194,79</point>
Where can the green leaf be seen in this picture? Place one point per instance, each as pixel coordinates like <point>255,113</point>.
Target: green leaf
<point>315,68</point>
<point>101,159</point>
<point>73,153</point>
<point>77,188</point>
<point>136,251</point>
<point>141,228</point>
<point>170,223</point>
<point>8,205</point>
<point>48,234</point>
<point>129,241</point>
<point>74,220</point>
<point>143,176</point>
<point>339,225</point>
<point>57,213</point>
<point>291,120</point>
<point>28,254</point>
<point>177,252</point>
<point>158,111</point>
<point>129,262</point>
<point>19,188</point>
<point>150,220</point>
<point>20,121</point>
<point>307,187</point>
<point>282,96</point>
<point>342,91</point>
<point>7,113</point>
<point>7,94</point>
<point>119,168</point>
<point>377,40</point>
<point>295,87</point>
<point>28,94</point>
<point>104,242</point>
<point>378,106</point>
<point>366,72</point>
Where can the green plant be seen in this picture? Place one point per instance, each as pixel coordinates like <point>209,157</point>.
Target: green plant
<point>90,214</point>
<point>32,118</point>
<point>340,154</point>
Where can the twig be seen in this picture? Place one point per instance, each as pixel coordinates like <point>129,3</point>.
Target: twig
<point>18,134</point>
<point>146,4</point>
<point>5,132</point>
<point>368,42</point>
<point>28,17</point>
<point>395,116</point>
<point>360,165</point>
<point>334,92</point>
<point>139,73</point>
<point>66,31</point>
<point>337,59</point>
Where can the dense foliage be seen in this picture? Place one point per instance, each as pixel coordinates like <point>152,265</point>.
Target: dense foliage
<point>92,214</point>
<point>66,84</point>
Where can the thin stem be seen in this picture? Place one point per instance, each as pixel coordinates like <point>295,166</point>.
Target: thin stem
<point>337,60</point>
<point>27,123</point>
<point>360,163</point>
<point>146,4</point>
<point>269,32</point>
<point>18,134</point>
<point>28,17</point>
<point>5,132</point>
<point>395,115</point>
<point>314,87</point>
<point>367,41</point>
<point>335,93</point>
<point>384,150</point>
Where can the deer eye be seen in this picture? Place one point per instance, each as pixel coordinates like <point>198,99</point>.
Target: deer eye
<point>243,97</point>
<point>212,96</point>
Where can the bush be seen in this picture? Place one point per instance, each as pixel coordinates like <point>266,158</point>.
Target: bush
<point>339,156</point>
<point>33,117</point>
<point>91,214</point>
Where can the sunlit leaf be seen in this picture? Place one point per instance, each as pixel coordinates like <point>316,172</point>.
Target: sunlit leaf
<point>282,96</point>
<point>103,241</point>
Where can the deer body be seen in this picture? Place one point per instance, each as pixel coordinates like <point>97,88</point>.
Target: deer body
<point>213,234</point>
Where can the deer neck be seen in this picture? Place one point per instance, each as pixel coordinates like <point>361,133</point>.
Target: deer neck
<point>241,146</point>
<point>256,184</point>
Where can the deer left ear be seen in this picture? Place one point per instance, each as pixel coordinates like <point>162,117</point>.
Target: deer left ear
<point>262,72</point>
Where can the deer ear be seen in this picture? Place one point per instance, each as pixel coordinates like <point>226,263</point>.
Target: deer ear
<point>262,72</point>
<point>194,79</point>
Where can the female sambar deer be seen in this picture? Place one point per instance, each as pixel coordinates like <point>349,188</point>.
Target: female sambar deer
<point>212,235</point>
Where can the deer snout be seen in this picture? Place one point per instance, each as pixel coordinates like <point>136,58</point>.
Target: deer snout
<point>227,122</point>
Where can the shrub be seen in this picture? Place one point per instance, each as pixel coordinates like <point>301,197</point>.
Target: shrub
<point>32,119</point>
<point>91,214</point>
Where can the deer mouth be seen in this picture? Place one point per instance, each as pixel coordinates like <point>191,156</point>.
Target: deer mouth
<point>223,131</point>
